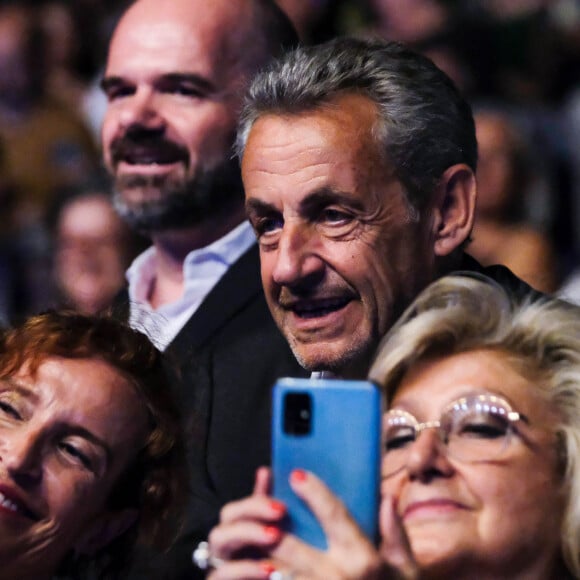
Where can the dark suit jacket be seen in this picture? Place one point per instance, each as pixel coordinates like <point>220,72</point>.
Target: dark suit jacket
<point>229,355</point>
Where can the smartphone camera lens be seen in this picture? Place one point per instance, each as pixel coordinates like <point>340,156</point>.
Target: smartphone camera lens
<point>297,413</point>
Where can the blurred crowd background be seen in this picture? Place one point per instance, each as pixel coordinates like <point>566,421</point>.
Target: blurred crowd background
<point>518,62</point>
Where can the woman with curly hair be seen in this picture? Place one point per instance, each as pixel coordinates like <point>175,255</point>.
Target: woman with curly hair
<point>90,455</point>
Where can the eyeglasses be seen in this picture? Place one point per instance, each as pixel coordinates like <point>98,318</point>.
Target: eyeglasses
<point>474,428</point>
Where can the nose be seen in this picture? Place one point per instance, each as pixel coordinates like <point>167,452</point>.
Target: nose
<point>427,457</point>
<point>297,261</point>
<point>21,456</point>
<point>140,110</point>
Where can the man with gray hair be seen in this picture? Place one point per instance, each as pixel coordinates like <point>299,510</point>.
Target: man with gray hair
<point>358,161</point>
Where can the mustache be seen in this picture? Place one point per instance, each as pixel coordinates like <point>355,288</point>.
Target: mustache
<point>146,148</point>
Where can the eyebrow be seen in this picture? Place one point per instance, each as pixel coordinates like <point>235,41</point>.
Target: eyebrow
<point>9,383</point>
<point>314,200</point>
<point>254,205</point>
<point>325,196</point>
<point>73,429</point>
<point>107,83</point>
<point>195,79</point>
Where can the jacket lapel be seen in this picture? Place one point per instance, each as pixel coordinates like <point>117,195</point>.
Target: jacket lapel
<point>238,286</point>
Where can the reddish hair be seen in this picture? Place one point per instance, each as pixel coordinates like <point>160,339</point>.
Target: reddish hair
<point>154,483</point>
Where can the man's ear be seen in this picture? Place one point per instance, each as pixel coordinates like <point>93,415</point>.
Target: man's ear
<point>454,211</point>
<point>104,530</point>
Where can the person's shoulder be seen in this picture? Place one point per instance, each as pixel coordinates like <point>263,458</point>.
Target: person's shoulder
<point>514,286</point>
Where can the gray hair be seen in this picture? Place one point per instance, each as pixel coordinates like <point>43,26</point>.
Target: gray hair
<point>541,339</point>
<point>425,125</point>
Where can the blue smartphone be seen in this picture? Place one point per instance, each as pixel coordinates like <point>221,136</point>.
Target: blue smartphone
<point>333,429</point>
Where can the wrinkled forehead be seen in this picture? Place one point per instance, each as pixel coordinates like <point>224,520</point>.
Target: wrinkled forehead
<point>348,119</point>
<point>329,146</point>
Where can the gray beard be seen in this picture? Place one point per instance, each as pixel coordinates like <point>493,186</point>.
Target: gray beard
<point>166,203</point>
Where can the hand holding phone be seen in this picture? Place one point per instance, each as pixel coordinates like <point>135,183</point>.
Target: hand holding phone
<point>333,429</point>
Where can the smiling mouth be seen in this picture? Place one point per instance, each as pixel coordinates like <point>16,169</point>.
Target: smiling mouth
<point>147,151</point>
<point>435,505</point>
<point>317,308</point>
<point>16,507</point>
<point>150,159</point>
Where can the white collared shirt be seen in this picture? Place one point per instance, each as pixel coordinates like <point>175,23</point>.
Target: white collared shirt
<point>202,269</point>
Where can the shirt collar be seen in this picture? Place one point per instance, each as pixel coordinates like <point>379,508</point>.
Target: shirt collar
<point>227,250</point>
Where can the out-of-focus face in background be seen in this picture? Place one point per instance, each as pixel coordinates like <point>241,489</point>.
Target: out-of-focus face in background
<point>15,67</point>
<point>410,21</point>
<point>500,177</point>
<point>303,13</point>
<point>91,253</point>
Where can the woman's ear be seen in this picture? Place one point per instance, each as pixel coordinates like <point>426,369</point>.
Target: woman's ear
<point>454,211</point>
<point>106,528</point>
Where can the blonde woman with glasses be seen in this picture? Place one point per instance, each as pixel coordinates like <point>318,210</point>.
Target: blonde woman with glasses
<point>481,473</point>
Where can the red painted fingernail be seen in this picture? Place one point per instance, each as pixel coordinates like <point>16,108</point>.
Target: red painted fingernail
<point>278,507</point>
<point>298,475</point>
<point>268,568</point>
<point>272,532</point>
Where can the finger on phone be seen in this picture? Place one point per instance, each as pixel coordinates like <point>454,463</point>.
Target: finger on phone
<point>329,510</point>
<point>229,539</point>
<point>255,507</point>
<point>243,569</point>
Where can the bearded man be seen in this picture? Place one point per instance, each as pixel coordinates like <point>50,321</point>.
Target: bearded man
<point>175,77</point>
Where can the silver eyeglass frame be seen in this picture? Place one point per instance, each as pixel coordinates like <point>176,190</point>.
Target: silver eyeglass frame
<point>491,403</point>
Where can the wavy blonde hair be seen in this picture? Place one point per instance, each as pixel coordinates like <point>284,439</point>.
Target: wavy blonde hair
<point>541,339</point>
